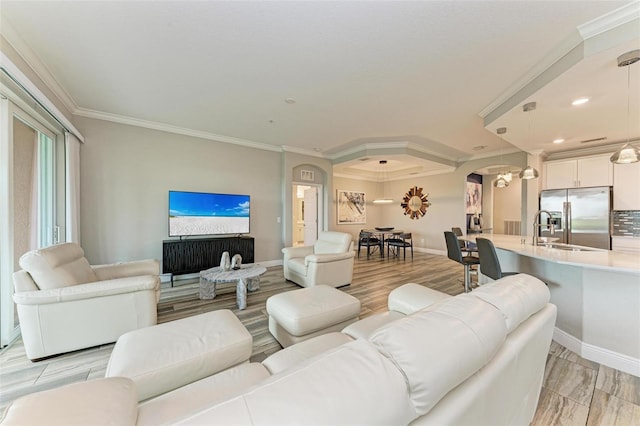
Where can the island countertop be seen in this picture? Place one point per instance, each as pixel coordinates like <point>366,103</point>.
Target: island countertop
<point>590,258</point>
<point>597,293</point>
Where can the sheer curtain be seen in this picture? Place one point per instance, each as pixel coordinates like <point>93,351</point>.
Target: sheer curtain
<point>72,160</point>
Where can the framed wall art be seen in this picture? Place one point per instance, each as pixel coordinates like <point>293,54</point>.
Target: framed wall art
<point>351,207</point>
<point>474,198</point>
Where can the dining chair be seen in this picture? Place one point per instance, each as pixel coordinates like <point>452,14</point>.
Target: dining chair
<point>400,241</point>
<point>467,246</point>
<point>489,263</point>
<point>369,240</point>
<point>455,253</point>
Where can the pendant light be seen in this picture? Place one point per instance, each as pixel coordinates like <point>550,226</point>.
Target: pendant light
<point>627,153</point>
<point>383,173</point>
<point>503,179</point>
<point>529,172</point>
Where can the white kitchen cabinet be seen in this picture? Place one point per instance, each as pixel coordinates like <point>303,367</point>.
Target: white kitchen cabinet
<point>626,186</point>
<point>596,170</point>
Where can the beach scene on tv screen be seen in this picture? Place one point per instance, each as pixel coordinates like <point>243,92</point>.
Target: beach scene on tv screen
<point>192,213</point>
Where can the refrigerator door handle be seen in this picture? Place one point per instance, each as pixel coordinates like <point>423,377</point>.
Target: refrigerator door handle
<point>567,212</point>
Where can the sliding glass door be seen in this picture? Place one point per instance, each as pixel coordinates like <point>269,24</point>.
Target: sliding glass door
<point>31,159</point>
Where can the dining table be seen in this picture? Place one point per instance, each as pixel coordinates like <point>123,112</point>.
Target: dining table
<point>384,233</point>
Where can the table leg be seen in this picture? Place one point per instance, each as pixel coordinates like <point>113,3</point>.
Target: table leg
<point>207,289</point>
<point>241,294</point>
<point>253,284</point>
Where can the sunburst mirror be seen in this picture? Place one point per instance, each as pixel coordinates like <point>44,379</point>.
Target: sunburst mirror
<point>415,203</point>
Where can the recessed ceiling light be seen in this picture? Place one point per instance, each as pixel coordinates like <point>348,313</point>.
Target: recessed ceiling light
<point>580,101</point>
<point>559,140</point>
<point>479,147</point>
<point>290,101</point>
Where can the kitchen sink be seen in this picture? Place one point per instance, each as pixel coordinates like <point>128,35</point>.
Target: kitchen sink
<point>567,247</point>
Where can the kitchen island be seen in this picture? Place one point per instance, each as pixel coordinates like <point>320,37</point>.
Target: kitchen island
<point>597,293</point>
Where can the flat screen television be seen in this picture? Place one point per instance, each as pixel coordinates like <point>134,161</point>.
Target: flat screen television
<point>202,213</point>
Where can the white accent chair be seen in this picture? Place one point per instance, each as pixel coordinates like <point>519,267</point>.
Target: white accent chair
<point>65,304</point>
<point>329,261</point>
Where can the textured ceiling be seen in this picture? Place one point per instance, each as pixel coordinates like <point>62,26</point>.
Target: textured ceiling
<point>387,74</point>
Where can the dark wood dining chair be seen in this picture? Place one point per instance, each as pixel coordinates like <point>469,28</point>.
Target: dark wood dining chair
<point>400,241</point>
<point>369,240</point>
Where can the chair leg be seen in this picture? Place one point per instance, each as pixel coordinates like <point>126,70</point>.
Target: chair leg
<point>467,278</point>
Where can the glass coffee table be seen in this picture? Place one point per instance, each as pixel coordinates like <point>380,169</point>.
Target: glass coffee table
<point>247,279</point>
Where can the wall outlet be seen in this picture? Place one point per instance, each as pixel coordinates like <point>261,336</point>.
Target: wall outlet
<point>278,219</point>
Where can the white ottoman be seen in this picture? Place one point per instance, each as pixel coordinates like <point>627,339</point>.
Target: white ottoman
<point>298,315</point>
<point>167,356</point>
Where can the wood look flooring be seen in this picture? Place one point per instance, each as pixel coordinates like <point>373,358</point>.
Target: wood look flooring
<point>575,391</point>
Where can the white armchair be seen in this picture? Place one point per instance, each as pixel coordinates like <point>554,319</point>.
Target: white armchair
<point>329,261</point>
<point>65,304</point>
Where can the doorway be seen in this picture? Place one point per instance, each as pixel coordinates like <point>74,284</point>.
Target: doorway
<point>306,208</point>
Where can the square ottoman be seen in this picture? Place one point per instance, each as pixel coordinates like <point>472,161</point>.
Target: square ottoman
<point>298,315</point>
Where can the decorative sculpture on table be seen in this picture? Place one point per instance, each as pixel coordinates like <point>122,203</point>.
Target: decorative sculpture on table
<point>225,262</point>
<point>415,203</point>
<point>236,261</point>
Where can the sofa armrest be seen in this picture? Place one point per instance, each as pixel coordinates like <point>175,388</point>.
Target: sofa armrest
<point>291,252</point>
<point>411,297</point>
<point>126,269</point>
<point>89,291</point>
<point>327,257</point>
<point>22,281</point>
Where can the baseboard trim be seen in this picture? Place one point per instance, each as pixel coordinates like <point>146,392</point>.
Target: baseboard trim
<point>611,359</point>
<point>597,354</point>
<point>568,341</point>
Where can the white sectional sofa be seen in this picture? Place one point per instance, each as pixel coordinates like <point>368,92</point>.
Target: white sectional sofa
<point>472,359</point>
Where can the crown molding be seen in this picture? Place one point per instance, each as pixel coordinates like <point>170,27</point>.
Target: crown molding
<point>577,38</point>
<point>367,146</point>
<point>355,175</point>
<point>608,21</point>
<point>27,87</point>
<point>556,54</point>
<point>83,112</point>
<point>303,151</point>
<point>39,68</point>
<point>592,150</point>
<point>389,145</point>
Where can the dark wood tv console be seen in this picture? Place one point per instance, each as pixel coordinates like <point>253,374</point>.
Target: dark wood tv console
<point>188,256</point>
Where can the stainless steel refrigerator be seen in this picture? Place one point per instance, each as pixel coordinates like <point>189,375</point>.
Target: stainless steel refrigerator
<point>581,216</point>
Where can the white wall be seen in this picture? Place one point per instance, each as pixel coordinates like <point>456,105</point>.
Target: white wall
<point>375,212</point>
<point>507,204</point>
<point>127,171</point>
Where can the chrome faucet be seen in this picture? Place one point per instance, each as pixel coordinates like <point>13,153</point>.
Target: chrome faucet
<point>537,225</point>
